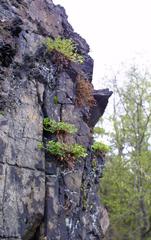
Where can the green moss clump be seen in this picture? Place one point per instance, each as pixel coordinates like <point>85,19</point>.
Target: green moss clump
<point>52,126</point>
<point>64,46</point>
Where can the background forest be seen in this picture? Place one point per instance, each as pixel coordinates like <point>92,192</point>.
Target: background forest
<point>125,188</point>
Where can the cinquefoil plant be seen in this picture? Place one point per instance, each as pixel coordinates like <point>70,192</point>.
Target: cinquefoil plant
<point>64,46</point>
<point>100,147</point>
<point>52,126</point>
<point>64,150</point>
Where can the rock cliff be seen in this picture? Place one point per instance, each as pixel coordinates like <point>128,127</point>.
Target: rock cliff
<point>40,198</point>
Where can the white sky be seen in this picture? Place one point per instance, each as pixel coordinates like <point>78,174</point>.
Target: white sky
<point>116,30</point>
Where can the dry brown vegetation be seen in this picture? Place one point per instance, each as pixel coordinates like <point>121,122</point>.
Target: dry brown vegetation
<point>60,60</point>
<point>84,92</point>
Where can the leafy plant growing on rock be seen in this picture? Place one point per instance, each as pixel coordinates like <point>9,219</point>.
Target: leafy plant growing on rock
<point>2,113</point>
<point>100,147</point>
<point>64,46</point>
<point>55,100</point>
<point>63,149</point>
<point>52,126</point>
<point>77,150</point>
<point>65,152</point>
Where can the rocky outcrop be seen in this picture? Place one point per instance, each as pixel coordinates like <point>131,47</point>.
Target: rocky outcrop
<point>101,97</point>
<point>40,198</point>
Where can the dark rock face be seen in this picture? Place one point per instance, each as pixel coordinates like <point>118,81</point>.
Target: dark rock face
<point>101,97</point>
<point>40,198</point>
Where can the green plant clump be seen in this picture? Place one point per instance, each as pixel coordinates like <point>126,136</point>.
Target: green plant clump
<point>78,150</point>
<point>52,126</point>
<point>55,99</point>
<point>63,150</point>
<point>2,113</point>
<point>98,130</point>
<point>64,46</point>
<point>100,147</point>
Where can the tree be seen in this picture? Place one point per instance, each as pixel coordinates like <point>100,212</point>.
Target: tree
<point>125,187</point>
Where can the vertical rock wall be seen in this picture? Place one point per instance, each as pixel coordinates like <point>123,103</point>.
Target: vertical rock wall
<point>40,198</point>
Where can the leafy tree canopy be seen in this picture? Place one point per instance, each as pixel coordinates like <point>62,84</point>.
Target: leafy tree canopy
<point>125,187</point>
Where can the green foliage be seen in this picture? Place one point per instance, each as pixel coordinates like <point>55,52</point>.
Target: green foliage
<point>40,146</point>
<point>55,99</point>
<point>56,148</point>
<point>52,126</point>
<point>78,150</point>
<point>119,196</point>
<point>64,46</point>
<point>2,113</point>
<point>100,147</point>
<point>125,186</point>
<point>99,130</point>
<point>63,150</point>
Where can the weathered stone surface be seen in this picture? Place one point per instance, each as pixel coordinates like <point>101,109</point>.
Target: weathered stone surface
<point>66,89</point>
<point>40,196</point>
<point>22,193</point>
<point>21,129</point>
<point>101,97</point>
<point>104,220</point>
